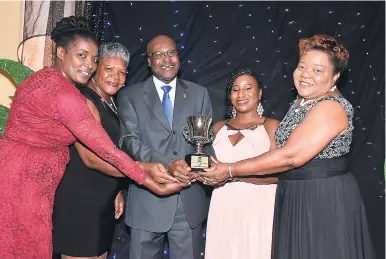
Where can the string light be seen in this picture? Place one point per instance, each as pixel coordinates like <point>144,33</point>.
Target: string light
<point>295,30</point>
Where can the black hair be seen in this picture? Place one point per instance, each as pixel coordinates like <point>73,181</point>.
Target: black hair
<point>232,79</point>
<point>70,28</point>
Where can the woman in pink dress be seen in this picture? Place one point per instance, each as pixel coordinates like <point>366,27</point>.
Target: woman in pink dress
<point>49,113</point>
<point>241,211</point>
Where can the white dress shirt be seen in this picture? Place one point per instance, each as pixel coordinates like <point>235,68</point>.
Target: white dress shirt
<point>158,86</point>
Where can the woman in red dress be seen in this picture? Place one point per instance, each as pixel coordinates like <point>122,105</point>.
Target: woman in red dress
<point>48,114</point>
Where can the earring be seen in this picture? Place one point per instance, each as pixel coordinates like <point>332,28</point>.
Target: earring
<point>332,89</point>
<point>260,109</point>
<point>233,112</point>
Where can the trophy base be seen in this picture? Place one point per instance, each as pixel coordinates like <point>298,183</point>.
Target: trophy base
<point>197,162</point>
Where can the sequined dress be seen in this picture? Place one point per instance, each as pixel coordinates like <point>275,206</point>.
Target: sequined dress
<point>47,115</point>
<point>319,212</point>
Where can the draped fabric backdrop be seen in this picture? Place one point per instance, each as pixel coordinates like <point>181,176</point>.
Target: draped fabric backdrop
<point>214,38</point>
<point>40,17</point>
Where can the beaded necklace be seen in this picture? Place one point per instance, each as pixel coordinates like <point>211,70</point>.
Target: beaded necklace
<point>304,103</point>
<point>112,106</point>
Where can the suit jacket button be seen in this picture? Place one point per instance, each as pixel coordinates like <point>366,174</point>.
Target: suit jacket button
<point>174,133</point>
<point>175,153</point>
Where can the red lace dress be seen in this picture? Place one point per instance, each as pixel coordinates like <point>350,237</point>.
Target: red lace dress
<point>47,114</point>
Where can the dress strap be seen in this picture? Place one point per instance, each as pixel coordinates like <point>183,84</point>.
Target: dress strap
<point>253,127</point>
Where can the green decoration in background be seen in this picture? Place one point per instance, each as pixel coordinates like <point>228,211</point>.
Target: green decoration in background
<point>15,69</point>
<point>3,117</point>
<point>18,73</point>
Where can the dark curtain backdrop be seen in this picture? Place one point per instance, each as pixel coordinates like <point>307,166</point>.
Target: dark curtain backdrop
<point>214,38</point>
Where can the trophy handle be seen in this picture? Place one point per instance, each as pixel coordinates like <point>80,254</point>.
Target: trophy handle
<point>185,132</point>
<point>211,135</point>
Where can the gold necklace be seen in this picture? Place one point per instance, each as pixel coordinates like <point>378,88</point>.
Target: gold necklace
<point>112,106</point>
<point>252,127</point>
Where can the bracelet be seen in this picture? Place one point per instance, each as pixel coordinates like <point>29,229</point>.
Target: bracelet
<point>230,170</point>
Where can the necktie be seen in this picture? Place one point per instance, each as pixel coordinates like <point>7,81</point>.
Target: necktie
<point>167,103</point>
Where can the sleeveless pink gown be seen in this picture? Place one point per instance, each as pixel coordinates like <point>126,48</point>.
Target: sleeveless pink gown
<point>240,214</point>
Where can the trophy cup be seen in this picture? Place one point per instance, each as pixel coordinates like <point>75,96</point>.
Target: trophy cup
<point>198,132</point>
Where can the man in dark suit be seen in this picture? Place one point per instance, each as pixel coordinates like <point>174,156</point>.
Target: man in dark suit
<point>152,115</point>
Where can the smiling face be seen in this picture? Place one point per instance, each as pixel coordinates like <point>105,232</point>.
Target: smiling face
<point>110,75</point>
<point>78,60</point>
<point>314,75</point>
<point>245,94</point>
<point>164,67</point>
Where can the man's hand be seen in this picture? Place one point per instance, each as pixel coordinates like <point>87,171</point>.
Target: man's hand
<point>181,171</point>
<point>158,172</point>
<point>118,204</point>
<point>171,188</point>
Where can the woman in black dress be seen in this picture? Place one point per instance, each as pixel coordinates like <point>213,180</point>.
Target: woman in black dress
<point>87,202</point>
<point>319,212</point>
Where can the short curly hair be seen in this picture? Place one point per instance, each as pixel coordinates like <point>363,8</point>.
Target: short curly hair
<point>337,53</point>
<point>114,49</point>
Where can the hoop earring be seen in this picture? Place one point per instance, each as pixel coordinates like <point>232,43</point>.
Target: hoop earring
<point>260,109</point>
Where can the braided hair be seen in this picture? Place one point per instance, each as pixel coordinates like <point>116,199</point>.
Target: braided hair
<point>232,79</point>
<point>69,28</point>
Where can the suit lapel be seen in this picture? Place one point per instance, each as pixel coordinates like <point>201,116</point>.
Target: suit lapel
<point>152,100</point>
<point>179,104</point>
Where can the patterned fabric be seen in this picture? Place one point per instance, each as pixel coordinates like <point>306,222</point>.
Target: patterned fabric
<point>337,147</point>
<point>319,211</point>
<point>46,116</point>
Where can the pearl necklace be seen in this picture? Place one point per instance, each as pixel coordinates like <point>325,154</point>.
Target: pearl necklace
<point>304,103</point>
<point>112,106</point>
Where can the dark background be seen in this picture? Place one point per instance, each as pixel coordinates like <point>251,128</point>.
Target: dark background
<point>215,38</point>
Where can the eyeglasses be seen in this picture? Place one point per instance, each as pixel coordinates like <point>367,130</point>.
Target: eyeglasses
<point>160,54</point>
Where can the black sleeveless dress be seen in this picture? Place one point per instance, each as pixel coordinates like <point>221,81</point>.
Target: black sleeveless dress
<point>83,218</point>
<point>319,213</point>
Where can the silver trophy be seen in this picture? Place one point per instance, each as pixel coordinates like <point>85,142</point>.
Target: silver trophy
<point>198,132</point>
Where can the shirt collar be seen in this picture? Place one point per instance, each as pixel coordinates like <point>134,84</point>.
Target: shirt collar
<point>158,83</point>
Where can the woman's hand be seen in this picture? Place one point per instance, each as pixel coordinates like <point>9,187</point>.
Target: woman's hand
<point>158,172</point>
<point>163,189</point>
<point>170,188</point>
<point>119,205</point>
<point>217,174</point>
